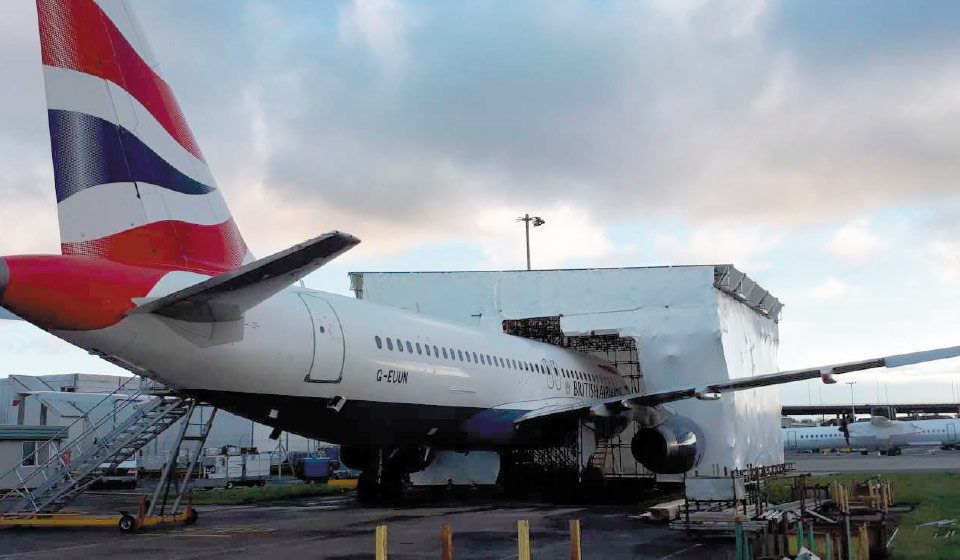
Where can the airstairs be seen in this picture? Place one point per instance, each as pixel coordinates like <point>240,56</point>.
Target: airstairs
<point>126,422</point>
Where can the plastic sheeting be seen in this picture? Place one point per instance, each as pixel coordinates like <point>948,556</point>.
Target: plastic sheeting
<point>688,333</point>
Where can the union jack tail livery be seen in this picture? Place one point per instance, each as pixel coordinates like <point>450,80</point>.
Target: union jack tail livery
<point>132,185</point>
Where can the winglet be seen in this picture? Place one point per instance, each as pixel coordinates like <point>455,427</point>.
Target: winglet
<point>227,296</point>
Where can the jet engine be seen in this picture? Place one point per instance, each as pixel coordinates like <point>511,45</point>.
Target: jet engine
<point>673,447</point>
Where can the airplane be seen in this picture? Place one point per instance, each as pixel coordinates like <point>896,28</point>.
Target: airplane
<point>155,277</point>
<point>883,433</point>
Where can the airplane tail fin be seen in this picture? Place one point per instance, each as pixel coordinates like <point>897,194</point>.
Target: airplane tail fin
<point>132,185</point>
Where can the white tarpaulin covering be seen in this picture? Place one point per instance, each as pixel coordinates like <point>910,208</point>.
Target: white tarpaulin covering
<point>691,325</point>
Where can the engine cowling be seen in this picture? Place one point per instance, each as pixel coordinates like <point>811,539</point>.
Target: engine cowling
<point>673,447</point>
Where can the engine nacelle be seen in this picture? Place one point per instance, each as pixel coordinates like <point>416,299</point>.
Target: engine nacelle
<point>673,447</point>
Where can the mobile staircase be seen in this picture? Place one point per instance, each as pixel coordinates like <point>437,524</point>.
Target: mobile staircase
<point>130,419</point>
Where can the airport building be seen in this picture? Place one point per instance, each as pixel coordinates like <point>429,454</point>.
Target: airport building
<point>39,404</point>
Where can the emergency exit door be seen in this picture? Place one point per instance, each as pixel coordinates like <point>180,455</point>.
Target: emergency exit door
<point>328,349</point>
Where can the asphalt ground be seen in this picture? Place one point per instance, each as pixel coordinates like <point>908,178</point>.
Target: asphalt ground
<point>920,459</point>
<point>336,527</point>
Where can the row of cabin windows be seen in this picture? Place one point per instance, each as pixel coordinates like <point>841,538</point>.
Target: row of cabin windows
<point>483,359</point>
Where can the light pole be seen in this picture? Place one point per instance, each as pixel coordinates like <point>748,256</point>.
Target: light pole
<point>537,222</point>
<point>852,406</point>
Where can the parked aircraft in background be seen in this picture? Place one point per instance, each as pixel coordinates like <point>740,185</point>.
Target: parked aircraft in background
<point>155,277</point>
<point>882,433</point>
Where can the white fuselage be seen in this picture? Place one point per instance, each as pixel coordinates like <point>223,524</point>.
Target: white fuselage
<point>879,433</point>
<point>399,376</point>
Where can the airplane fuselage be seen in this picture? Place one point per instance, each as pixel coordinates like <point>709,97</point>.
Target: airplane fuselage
<point>878,434</point>
<point>353,372</point>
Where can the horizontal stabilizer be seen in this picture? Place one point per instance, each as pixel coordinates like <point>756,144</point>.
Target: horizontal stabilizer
<point>227,296</point>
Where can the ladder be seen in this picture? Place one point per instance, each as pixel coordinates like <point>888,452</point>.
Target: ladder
<point>599,458</point>
<point>127,426</point>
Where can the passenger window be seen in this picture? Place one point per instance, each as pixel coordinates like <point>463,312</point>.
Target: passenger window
<point>389,344</point>
<point>419,349</point>
<point>502,364</point>
<point>379,342</point>
<point>436,352</point>
<point>444,352</point>
<point>409,347</point>
<point>481,360</point>
<point>427,348</point>
<point>488,359</point>
<point>460,353</point>
<point>474,357</point>
<point>468,355</point>
<point>399,345</point>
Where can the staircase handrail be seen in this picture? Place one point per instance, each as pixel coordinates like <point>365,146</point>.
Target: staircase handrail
<point>41,467</point>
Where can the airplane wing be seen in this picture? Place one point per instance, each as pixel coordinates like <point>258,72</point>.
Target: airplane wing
<point>616,405</point>
<point>227,296</point>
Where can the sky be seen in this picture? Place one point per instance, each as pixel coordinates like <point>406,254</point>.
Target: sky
<point>812,144</point>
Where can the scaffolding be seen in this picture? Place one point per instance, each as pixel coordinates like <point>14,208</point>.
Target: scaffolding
<point>613,455</point>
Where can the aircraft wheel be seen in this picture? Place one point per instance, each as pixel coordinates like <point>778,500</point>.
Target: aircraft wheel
<point>127,523</point>
<point>367,489</point>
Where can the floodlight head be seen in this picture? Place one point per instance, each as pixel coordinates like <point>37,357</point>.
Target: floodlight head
<point>538,221</point>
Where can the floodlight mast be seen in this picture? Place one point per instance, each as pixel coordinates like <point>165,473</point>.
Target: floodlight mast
<point>537,222</point>
<point>852,406</point>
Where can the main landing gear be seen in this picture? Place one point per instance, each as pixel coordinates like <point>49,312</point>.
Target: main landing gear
<point>379,483</point>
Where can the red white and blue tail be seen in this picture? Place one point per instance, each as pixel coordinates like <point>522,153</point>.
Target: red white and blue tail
<point>132,185</point>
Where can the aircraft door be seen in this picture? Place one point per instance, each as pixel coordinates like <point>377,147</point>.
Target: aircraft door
<point>951,432</point>
<point>792,439</point>
<point>328,346</point>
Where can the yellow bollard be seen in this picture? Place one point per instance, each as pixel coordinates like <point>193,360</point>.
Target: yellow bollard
<point>446,543</point>
<point>381,550</point>
<point>523,540</point>
<point>575,551</point>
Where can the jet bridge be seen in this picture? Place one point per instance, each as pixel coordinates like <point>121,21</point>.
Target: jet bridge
<point>690,325</point>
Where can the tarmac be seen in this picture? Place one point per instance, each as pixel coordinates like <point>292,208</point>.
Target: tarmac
<point>912,460</point>
<point>336,527</point>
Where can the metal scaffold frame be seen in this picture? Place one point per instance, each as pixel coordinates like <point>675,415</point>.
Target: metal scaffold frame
<point>613,455</point>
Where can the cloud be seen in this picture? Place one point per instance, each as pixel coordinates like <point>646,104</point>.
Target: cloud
<point>382,26</point>
<point>690,110</point>
<point>719,243</point>
<point>854,242</point>
<point>831,290</point>
<point>943,258</point>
